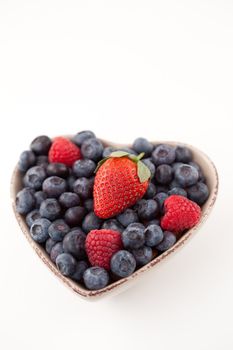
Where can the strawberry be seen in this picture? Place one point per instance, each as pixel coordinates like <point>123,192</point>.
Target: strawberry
<point>180,214</point>
<point>64,151</point>
<point>101,245</point>
<point>120,181</point>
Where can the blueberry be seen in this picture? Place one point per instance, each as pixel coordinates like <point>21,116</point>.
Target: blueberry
<point>160,198</point>
<point>183,154</point>
<point>147,209</point>
<point>69,199</point>
<point>177,190</point>
<point>95,278</point>
<point>58,169</point>
<point>54,186</point>
<point>133,236</point>
<point>34,177</point>
<point>123,263</point>
<point>50,209</point>
<point>41,145</point>
<point>32,216</point>
<point>128,150</point>
<point>40,196</point>
<point>43,161</point>
<point>127,217</point>
<point>81,267</point>
<point>84,168</point>
<point>163,154</point>
<point>113,224</point>
<point>80,137</point>
<point>66,264</point>
<point>200,173</point>
<point>107,151</point>
<point>74,216</point>
<point>70,182</point>
<point>25,201</point>
<point>152,222</point>
<point>154,235</point>
<point>198,193</point>
<point>26,160</point>
<point>150,165</point>
<point>49,244</point>
<point>176,165</point>
<point>58,229</point>
<point>74,243</point>
<point>186,175</point>
<point>174,183</point>
<point>92,149</point>
<point>84,187</point>
<point>143,145</point>
<point>151,191</point>
<point>164,174</point>
<point>91,222</point>
<point>56,250</point>
<point>168,241</point>
<point>39,230</point>
<point>89,204</point>
<point>142,255</point>
<point>162,188</point>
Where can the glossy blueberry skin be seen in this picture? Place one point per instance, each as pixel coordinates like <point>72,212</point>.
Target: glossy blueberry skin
<point>40,196</point>
<point>128,217</point>
<point>186,175</point>
<point>153,235</point>
<point>173,183</point>
<point>123,263</point>
<point>49,244</point>
<point>92,149</point>
<point>160,198</point>
<point>143,145</point>
<point>43,161</point>
<point>80,137</point>
<point>50,209</point>
<point>25,201</point>
<point>164,174</point>
<point>168,241</point>
<point>26,160</point>
<point>147,209</point>
<point>69,200</point>
<point>34,177</point>
<point>84,187</point>
<point>177,190</point>
<point>74,216</point>
<point>58,229</point>
<point>70,182</point>
<point>148,162</point>
<point>56,250</point>
<point>89,204</point>
<point>113,224</point>
<point>200,173</point>
<point>66,264</point>
<point>133,237</point>
<point>163,154</point>
<point>198,193</point>
<point>162,188</point>
<point>183,154</point>
<point>41,145</point>
<point>91,222</point>
<point>151,191</point>
<point>95,278</point>
<point>81,267</point>
<point>84,168</point>
<point>54,186</point>
<point>32,216</point>
<point>176,165</point>
<point>58,169</point>
<point>142,255</point>
<point>39,230</point>
<point>152,222</point>
<point>107,151</point>
<point>74,243</point>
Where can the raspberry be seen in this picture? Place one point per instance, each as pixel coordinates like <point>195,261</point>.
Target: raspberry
<point>101,245</point>
<point>64,151</point>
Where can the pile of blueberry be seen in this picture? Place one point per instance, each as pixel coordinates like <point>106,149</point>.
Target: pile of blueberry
<point>57,203</point>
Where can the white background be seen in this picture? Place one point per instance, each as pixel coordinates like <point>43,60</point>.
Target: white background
<point>159,69</point>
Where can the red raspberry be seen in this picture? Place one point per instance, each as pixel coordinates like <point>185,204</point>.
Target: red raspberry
<point>64,151</point>
<point>101,245</point>
<point>180,214</point>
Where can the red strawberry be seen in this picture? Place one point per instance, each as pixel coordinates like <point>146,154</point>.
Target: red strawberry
<point>120,182</point>
<point>64,151</point>
<point>180,214</point>
<point>101,245</point>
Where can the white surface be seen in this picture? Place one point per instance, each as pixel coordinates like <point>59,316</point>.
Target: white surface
<point>160,69</point>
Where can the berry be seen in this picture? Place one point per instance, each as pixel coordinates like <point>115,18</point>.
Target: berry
<point>91,222</point>
<point>142,255</point>
<point>26,160</point>
<point>49,244</point>
<point>176,165</point>
<point>83,187</point>
<point>113,224</point>
<point>186,175</point>
<point>70,182</point>
<point>89,204</point>
<point>66,264</point>
<point>92,148</point>
<point>168,241</point>
<point>43,161</point>
<point>50,209</point>
<point>74,243</point>
<point>127,217</point>
<point>198,193</point>
<point>153,235</point>
<point>69,199</point>
<point>64,151</point>
<point>164,174</point>
<point>127,150</point>
<point>25,201</point>
<point>41,145</point>
<point>56,250</point>
<point>143,145</point>
<point>84,168</point>
<point>123,263</point>
<point>163,154</point>
<point>152,222</point>
<point>177,190</point>
<point>148,162</point>
<point>133,236</point>
<point>198,168</point>
<point>40,196</point>
<point>34,177</point>
<point>173,183</point>
<point>95,278</point>
<point>107,151</point>
<point>81,267</point>
<point>183,154</point>
<point>58,169</point>
<point>54,186</point>
<point>148,209</point>
<point>39,230</point>
<point>32,216</point>
<point>58,229</point>
<point>80,137</point>
<point>151,191</point>
<point>160,198</point>
<point>161,188</point>
<point>101,245</point>
<point>180,214</point>
<point>74,216</point>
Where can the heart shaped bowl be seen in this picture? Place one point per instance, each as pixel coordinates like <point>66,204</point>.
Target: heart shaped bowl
<point>211,175</point>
